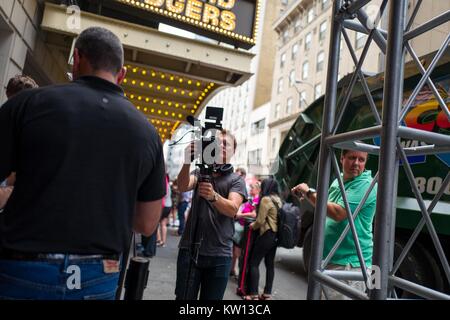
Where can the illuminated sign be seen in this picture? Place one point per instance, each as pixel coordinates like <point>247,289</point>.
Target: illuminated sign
<point>231,21</point>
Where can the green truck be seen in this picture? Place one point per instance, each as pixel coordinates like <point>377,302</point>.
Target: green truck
<point>298,161</point>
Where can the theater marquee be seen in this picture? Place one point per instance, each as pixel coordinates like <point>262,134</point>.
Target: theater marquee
<point>231,21</point>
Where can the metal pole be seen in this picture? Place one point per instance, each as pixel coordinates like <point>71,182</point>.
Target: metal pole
<point>314,288</point>
<point>387,162</point>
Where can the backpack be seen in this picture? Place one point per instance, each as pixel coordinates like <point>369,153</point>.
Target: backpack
<point>287,221</point>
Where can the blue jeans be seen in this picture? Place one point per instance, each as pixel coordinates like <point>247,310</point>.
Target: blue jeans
<point>210,276</point>
<point>149,244</point>
<point>56,280</point>
<point>182,206</point>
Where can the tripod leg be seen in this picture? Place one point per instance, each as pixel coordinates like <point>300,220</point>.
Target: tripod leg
<point>124,267</point>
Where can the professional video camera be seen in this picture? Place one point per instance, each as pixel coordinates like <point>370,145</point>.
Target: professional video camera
<point>207,136</point>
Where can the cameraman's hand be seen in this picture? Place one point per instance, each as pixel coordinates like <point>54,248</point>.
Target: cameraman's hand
<point>300,190</point>
<point>206,190</point>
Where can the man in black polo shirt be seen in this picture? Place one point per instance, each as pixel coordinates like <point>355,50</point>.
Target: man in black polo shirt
<point>90,168</point>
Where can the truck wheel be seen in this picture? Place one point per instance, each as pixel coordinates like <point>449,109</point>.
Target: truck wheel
<point>307,249</point>
<point>419,266</point>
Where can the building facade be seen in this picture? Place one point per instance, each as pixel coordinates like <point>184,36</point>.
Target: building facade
<point>303,29</point>
<point>169,76</point>
<point>23,47</point>
<point>246,107</point>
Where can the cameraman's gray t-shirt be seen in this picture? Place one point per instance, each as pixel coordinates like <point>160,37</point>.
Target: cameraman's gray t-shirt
<point>215,229</point>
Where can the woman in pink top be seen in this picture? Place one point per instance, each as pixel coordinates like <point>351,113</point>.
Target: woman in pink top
<point>247,210</point>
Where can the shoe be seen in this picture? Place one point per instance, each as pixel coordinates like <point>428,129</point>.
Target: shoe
<point>265,296</point>
<point>250,297</point>
<point>161,244</point>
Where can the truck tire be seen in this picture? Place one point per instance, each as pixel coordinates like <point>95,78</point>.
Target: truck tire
<point>419,266</point>
<point>307,249</point>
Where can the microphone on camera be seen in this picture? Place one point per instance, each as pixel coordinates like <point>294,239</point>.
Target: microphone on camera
<point>192,120</point>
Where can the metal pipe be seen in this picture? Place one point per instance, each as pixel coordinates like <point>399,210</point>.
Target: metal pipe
<point>329,111</point>
<point>354,77</point>
<point>356,5</point>
<point>425,136</point>
<point>427,26</point>
<point>359,134</point>
<point>358,27</point>
<point>413,15</point>
<point>303,147</point>
<point>344,275</point>
<point>419,290</point>
<point>353,145</point>
<point>357,72</point>
<point>363,79</point>
<point>429,82</point>
<point>424,152</point>
<point>422,81</point>
<point>387,161</point>
<point>339,286</point>
<point>377,36</point>
<point>432,231</point>
<point>420,225</point>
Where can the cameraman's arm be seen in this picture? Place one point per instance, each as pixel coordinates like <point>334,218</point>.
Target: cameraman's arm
<point>186,181</point>
<point>147,217</point>
<point>228,207</point>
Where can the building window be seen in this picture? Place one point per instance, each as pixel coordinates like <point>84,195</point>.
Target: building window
<point>298,25</point>
<point>280,85</point>
<point>294,51</point>
<point>303,102</point>
<point>323,31</point>
<point>277,111</point>
<point>254,157</point>
<point>282,60</point>
<point>308,40</point>
<point>258,127</point>
<point>360,40</point>
<point>325,4</point>
<point>289,106</point>
<point>305,70</point>
<point>317,91</point>
<point>320,59</point>
<point>292,78</point>
<point>285,35</point>
<point>310,15</point>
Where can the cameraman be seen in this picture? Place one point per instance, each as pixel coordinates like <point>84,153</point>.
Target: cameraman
<point>210,225</point>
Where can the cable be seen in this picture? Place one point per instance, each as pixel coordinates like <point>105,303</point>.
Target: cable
<point>184,135</point>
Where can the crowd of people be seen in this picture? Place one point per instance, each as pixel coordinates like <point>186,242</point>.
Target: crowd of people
<point>82,171</point>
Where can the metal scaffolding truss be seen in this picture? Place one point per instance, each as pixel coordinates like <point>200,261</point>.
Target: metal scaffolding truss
<point>393,43</point>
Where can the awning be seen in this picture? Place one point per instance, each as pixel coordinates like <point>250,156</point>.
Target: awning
<point>169,77</point>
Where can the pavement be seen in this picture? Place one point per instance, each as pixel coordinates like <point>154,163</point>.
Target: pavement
<point>290,280</point>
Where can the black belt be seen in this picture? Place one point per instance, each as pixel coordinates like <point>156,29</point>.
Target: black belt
<point>27,256</point>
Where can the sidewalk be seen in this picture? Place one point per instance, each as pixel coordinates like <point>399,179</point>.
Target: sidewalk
<point>290,280</point>
<point>163,269</point>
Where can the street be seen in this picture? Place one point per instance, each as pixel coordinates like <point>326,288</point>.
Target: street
<point>290,280</point>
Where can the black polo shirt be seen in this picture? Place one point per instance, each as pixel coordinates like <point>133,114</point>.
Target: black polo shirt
<point>83,155</point>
